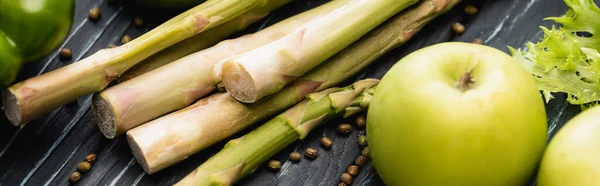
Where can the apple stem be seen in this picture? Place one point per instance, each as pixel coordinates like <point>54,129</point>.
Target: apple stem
<point>465,81</point>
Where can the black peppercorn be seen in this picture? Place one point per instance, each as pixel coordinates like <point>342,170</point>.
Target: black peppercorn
<point>311,153</point>
<point>360,161</point>
<point>344,128</point>
<point>326,142</point>
<point>274,165</point>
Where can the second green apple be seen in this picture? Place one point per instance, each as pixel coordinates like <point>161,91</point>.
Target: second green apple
<point>571,158</point>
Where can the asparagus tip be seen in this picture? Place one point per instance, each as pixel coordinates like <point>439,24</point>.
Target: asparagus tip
<point>366,83</point>
<point>342,100</point>
<point>138,153</point>
<point>104,115</point>
<point>11,108</point>
<point>306,127</point>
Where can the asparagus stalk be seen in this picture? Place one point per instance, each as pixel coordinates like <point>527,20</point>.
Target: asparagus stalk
<point>265,70</point>
<point>171,138</point>
<point>179,84</point>
<point>242,155</point>
<point>31,98</point>
<point>198,42</point>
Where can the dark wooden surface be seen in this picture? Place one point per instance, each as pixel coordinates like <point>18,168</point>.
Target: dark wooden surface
<point>47,150</point>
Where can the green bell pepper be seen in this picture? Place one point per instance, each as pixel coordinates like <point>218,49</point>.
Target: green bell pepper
<point>29,30</point>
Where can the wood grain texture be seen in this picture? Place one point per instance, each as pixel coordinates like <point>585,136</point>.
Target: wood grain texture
<point>47,150</point>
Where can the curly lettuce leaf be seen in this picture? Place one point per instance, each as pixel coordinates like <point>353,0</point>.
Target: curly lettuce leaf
<point>567,58</point>
<point>583,16</point>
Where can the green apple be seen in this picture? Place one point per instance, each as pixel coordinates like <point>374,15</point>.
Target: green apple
<point>457,114</point>
<point>573,155</point>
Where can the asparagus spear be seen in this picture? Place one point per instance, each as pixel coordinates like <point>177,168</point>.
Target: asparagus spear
<point>31,98</point>
<point>265,70</point>
<point>198,42</point>
<point>179,84</point>
<point>242,155</point>
<point>171,138</point>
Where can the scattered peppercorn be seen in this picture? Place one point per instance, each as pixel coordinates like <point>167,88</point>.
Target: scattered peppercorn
<point>361,121</point>
<point>295,156</point>
<point>138,21</point>
<point>75,176</point>
<point>365,151</point>
<point>274,165</point>
<point>90,158</point>
<point>478,41</point>
<point>84,166</point>
<point>352,170</point>
<point>346,178</point>
<point>342,184</point>
<point>470,10</point>
<point>326,142</point>
<point>65,53</point>
<point>344,128</point>
<point>125,39</point>
<point>95,14</point>
<point>362,140</point>
<point>458,28</point>
<point>360,161</point>
<point>311,153</point>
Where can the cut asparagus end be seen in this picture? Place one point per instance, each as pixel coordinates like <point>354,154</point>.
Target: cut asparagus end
<point>240,82</point>
<point>138,154</point>
<point>104,114</point>
<point>247,88</point>
<point>12,108</point>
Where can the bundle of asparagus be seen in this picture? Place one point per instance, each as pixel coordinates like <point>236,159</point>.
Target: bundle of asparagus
<point>31,98</point>
<point>173,137</point>
<point>180,83</point>
<point>241,156</point>
<point>265,70</point>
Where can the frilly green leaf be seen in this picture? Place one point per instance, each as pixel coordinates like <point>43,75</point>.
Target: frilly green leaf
<point>582,17</point>
<point>567,58</point>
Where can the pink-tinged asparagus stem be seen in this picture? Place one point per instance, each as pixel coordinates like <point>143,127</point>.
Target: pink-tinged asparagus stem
<point>171,138</point>
<point>266,70</point>
<point>33,97</point>
<point>180,83</point>
<point>242,155</point>
<point>198,42</point>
